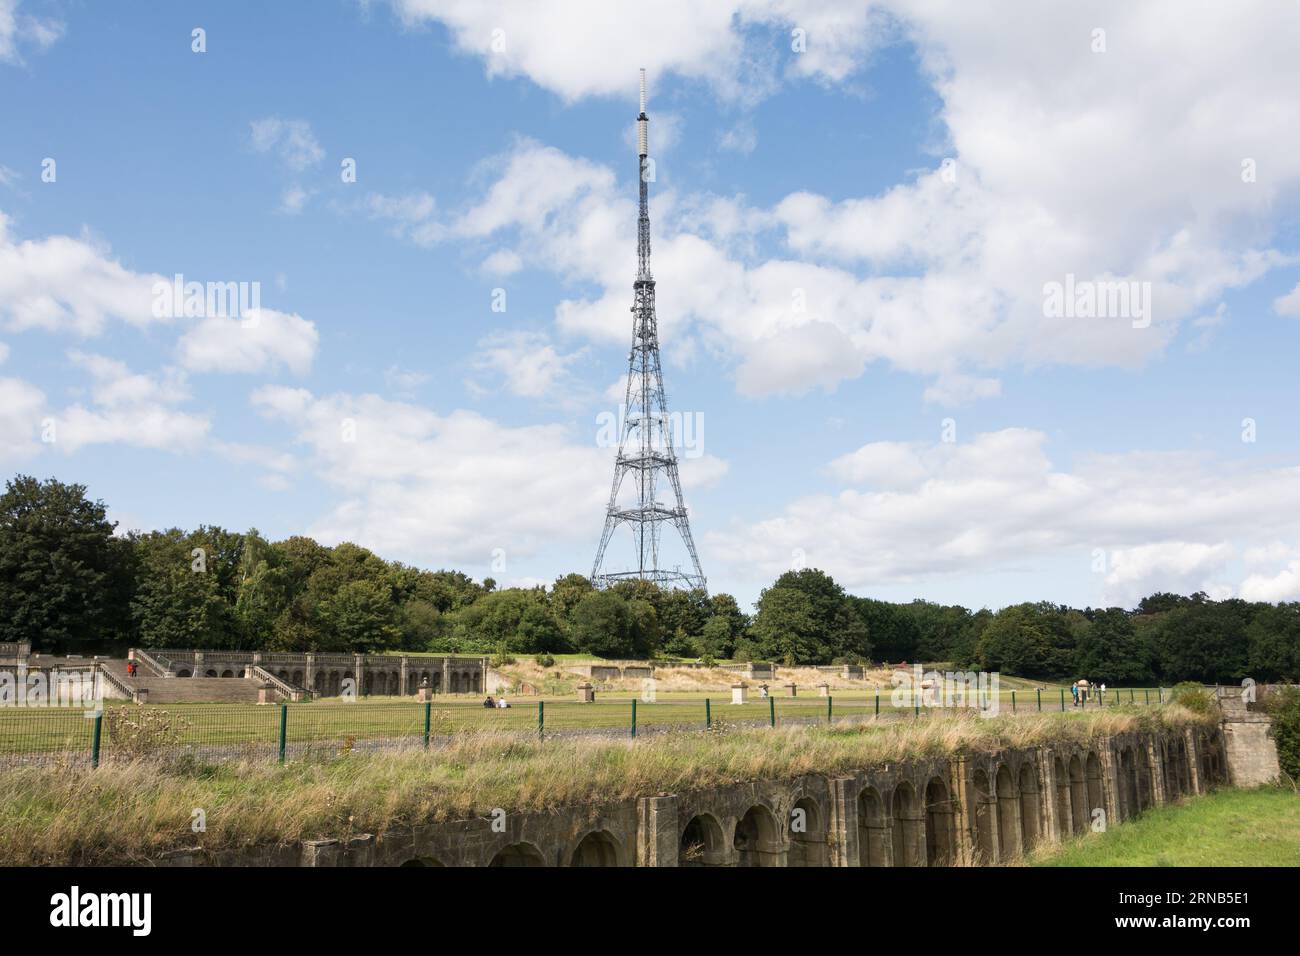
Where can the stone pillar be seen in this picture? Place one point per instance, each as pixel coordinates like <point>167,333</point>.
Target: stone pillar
<point>1047,784</point>
<point>359,672</point>
<point>446,675</point>
<point>321,853</point>
<point>198,664</point>
<point>843,830</point>
<point>823,689</point>
<point>586,695</point>
<point>141,695</point>
<point>656,831</point>
<point>1156,768</point>
<point>738,693</point>
<point>1249,751</point>
<point>1109,782</point>
<point>1193,759</point>
<point>425,693</point>
<point>965,838</point>
<point>791,689</point>
<point>266,694</point>
<point>401,685</point>
<point>257,658</point>
<point>310,675</point>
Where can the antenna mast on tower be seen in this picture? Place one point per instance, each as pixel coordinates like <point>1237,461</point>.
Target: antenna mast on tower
<point>646,459</point>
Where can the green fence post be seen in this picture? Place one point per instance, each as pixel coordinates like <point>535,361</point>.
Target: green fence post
<point>1062,698</point>
<point>877,701</point>
<point>284,726</point>
<point>1013,702</point>
<point>541,718</point>
<point>708,715</point>
<point>633,716</point>
<point>916,704</point>
<point>1130,695</point>
<point>1160,692</point>
<point>95,739</point>
<point>428,710</point>
<point>829,698</point>
<point>771,710</point>
<point>1146,696</point>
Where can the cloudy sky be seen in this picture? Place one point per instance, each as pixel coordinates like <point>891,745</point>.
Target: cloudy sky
<point>860,212</point>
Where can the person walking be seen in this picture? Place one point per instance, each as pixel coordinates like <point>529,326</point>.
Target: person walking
<point>1074,692</point>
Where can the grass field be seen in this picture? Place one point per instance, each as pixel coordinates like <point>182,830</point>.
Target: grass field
<point>211,729</point>
<point>1224,828</point>
<point>129,811</point>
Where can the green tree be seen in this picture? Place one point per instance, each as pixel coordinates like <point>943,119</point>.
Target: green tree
<point>787,628</point>
<point>1110,649</point>
<point>178,599</point>
<point>601,624</point>
<point>63,576</point>
<point>1273,642</point>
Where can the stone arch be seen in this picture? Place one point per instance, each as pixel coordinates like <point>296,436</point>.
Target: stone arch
<point>283,674</point>
<point>940,829</point>
<point>807,834</point>
<point>455,682</point>
<point>227,673</point>
<point>436,683</point>
<point>518,854</point>
<point>210,672</point>
<point>907,829</point>
<point>985,810</point>
<point>1184,767</point>
<point>422,861</point>
<point>1078,797</point>
<point>702,843</point>
<point>1146,795</point>
<point>873,843</point>
<point>368,684</point>
<point>476,682</point>
<point>597,848</point>
<point>183,672</point>
<point>296,679</point>
<point>757,839</point>
<point>1096,793</point>
<point>1029,806</point>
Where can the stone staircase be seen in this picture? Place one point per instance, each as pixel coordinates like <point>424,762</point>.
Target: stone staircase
<point>175,690</point>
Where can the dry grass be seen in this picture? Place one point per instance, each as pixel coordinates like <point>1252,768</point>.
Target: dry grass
<point>124,813</point>
<point>563,679</point>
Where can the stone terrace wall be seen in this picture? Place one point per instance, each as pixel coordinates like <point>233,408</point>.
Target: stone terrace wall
<point>973,810</point>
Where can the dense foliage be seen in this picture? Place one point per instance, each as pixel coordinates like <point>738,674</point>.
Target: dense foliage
<point>68,582</point>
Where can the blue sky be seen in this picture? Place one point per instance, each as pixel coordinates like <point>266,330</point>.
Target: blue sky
<point>832,305</point>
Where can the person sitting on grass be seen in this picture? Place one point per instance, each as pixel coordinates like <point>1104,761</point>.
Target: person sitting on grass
<point>502,703</point>
<point>489,702</point>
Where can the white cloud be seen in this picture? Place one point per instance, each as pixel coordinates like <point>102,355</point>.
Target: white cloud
<point>941,274</point>
<point>528,364</point>
<point>18,30</point>
<point>22,406</point>
<point>291,140</point>
<point>129,409</point>
<point>63,284</point>
<point>259,341</point>
<point>916,511</point>
<point>294,199</point>
<point>1288,304</point>
<point>442,488</point>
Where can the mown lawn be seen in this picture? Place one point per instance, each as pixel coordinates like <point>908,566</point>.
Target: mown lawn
<point>1225,828</point>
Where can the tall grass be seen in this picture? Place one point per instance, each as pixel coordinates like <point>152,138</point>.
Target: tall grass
<point>131,812</point>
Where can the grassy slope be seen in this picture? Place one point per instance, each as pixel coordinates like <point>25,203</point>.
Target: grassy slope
<point>126,812</point>
<point>1226,828</point>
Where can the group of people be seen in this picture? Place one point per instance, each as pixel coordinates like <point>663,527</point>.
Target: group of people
<point>500,703</point>
<point>1080,690</point>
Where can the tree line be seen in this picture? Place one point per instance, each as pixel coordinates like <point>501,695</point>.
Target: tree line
<point>70,583</point>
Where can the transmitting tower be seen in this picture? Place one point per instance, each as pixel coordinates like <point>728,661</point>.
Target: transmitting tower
<point>646,461</point>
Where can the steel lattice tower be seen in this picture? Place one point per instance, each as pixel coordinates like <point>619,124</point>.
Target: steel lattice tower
<point>645,448</point>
